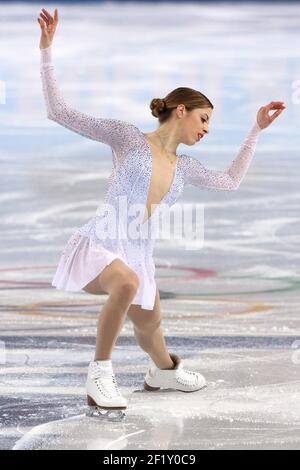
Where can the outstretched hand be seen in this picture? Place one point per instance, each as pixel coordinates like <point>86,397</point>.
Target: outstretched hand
<point>263,118</point>
<point>48,26</point>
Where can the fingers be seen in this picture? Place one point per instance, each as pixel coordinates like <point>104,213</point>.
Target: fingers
<point>274,115</point>
<point>275,105</point>
<point>42,24</point>
<point>46,21</point>
<point>44,18</point>
<point>48,16</point>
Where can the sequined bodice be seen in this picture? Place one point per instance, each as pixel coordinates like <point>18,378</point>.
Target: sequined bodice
<point>132,167</point>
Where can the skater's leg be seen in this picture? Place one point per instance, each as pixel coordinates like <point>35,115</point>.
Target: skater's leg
<point>121,283</point>
<point>148,333</point>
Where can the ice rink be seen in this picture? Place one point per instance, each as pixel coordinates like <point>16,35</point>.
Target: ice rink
<point>230,308</point>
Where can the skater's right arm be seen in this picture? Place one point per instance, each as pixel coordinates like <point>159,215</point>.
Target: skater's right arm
<point>112,132</point>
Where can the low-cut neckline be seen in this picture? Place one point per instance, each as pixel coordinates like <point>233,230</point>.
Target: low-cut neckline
<point>150,177</point>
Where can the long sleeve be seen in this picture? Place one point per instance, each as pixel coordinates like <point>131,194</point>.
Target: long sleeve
<point>113,132</point>
<point>197,174</point>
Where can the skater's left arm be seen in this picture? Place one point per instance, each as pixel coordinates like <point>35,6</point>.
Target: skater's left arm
<point>229,180</point>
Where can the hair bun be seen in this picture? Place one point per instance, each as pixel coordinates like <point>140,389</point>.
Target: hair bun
<point>158,106</point>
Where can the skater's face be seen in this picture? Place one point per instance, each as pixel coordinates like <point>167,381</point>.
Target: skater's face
<point>195,125</point>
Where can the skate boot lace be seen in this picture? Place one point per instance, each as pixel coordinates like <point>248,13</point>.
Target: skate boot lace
<point>106,379</point>
<point>186,377</point>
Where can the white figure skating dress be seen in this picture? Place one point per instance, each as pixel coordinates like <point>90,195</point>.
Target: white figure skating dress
<point>88,252</point>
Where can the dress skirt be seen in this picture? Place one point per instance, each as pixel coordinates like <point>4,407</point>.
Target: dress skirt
<point>82,261</point>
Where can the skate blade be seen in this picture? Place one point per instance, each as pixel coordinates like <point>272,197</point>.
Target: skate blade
<point>191,391</point>
<point>148,388</point>
<point>109,415</point>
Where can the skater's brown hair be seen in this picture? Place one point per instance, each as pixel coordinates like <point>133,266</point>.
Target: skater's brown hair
<point>162,107</point>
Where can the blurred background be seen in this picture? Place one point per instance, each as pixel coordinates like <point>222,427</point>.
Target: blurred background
<point>234,301</point>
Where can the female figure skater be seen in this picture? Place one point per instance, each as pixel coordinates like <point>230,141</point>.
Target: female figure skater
<point>146,170</point>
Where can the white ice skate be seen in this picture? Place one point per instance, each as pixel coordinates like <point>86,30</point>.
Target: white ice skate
<point>177,378</point>
<point>103,395</point>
